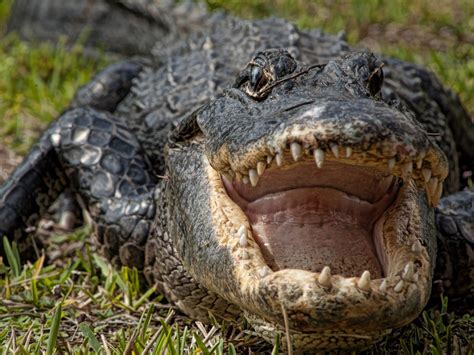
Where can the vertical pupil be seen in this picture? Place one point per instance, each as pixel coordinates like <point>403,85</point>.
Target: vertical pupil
<point>255,76</point>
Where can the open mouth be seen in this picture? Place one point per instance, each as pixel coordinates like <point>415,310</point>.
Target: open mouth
<point>305,217</point>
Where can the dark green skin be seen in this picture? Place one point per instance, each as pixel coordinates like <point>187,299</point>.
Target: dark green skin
<point>128,147</point>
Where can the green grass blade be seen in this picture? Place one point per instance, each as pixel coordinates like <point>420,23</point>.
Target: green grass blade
<point>53,333</point>
<point>12,257</point>
<point>89,334</point>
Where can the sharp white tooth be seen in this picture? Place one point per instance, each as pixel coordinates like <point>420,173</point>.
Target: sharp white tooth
<point>261,167</point>
<point>295,151</point>
<point>245,179</point>
<point>238,176</point>
<point>335,150</point>
<point>383,286</point>
<point>348,152</point>
<point>407,168</point>
<point>391,163</point>
<point>269,159</point>
<point>409,271</point>
<point>416,247</point>
<point>416,277</point>
<point>243,240</point>
<point>253,176</point>
<point>324,277</point>
<point>419,163</point>
<point>399,286</point>
<point>227,176</point>
<point>279,159</point>
<point>263,271</point>
<point>319,157</point>
<point>364,281</point>
<point>242,230</point>
<point>432,185</point>
<point>437,194</point>
<point>244,255</point>
<point>426,174</point>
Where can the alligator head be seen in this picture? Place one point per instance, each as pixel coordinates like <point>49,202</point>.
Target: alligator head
<point>305,199</point>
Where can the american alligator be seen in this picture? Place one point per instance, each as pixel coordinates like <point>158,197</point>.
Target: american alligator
<point>253,170</point>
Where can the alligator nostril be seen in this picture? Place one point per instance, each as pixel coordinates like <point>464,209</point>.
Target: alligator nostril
<point>375,81</point>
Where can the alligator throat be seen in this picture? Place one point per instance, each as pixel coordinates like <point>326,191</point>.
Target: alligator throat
<point>306,218</point>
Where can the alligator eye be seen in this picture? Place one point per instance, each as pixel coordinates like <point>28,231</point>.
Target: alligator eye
<point>375,81</point>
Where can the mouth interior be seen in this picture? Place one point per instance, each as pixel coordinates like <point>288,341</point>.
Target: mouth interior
<point>303,217</point>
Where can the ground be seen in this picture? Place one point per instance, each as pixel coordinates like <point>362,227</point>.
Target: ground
<point>77,303</point>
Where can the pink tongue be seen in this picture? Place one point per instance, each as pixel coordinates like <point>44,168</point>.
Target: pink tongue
<point>309,228</point>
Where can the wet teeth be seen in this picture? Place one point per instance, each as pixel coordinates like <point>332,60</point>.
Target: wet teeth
<point>261,167</point>
<point>279,159</point>
<point>244,255</point>
<point>383,286</point>
<point>407,168</point>
<point>409,271</point>
<point>253,176</point>
<point>324,278</point>
<point>391,164</point>
<point>242,230</point>
<point>348,152</point>
<point>269,159</point>
<point>432,185</point>
<point>243,240</point>
<point>416,247</point>
<point>319,157</point>
<point>419,163</point>
<point>263,271</point>
<point>227,176</point>
<point>335,150</point>
<point>438,193</point>
<point>426,174</point>
<point>399,286</point>
<point>295,151</point>
<point>245,179</point>
<point>364,281</point>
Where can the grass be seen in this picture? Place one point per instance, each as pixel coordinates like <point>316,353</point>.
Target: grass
<point>77,303</point>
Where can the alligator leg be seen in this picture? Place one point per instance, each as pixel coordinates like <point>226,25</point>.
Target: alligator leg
<point>454,272</point>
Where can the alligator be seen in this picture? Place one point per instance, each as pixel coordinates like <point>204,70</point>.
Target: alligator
<point>257,171</point>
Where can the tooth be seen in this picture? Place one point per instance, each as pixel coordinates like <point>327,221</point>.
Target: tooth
<point>419,163</point>
<point>409,271</point>
<point>416,247</point>
<point>269,159</point>
<point>263,271</point>
<point>253,176</point>
<point>324,277</point>
<point>227,176</point>
<point>295,151</point>
<point>399,286</point>
<point>245,179</point>
<point>238,176</point>
<point>391,163</point>
<point>426,174</point>
<point>261,167</point>
<point>335,150</point>
<point>243,240</point>
<point>364,281</point>
<point>438,193</point>
<point>348,152</point>
<point>242,230</point>
<point>279,159</point>
<point>407,168</point>
<point>244,255</point>
<point>319,157</point>
<point>432,185</point>
<point>383,286</point>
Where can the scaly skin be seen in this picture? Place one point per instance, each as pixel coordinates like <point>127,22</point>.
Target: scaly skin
<point>155,160</point>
